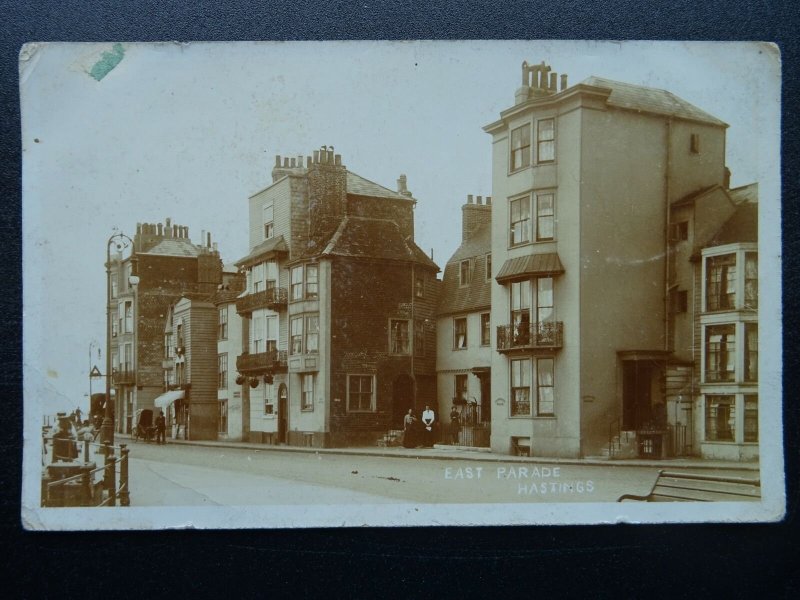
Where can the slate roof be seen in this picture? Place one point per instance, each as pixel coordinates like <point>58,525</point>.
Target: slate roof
<point>360,186</point>
<point>272,245</point>
<point>175,247</point>
<point>745,193</point>
<point>477,294</point>
<point>692,196</point>
<point>653,100</point>
<point>742,226</point>
<point>374,238</point>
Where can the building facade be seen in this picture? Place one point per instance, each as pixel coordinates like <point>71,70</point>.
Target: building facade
<point>463,329</point>
<point>168,265</point>
<point>583,181</point>
<point>338,313</point>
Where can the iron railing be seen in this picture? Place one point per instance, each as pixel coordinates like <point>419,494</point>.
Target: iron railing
<point>474,427</point>
<point>528,336</point>
<point>272,298</point>
<point>105,485</point>
<point>272,360</point>
<point>123,376</point>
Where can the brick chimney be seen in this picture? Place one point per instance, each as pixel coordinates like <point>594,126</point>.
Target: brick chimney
<point>287,165</point>
<point>327,193</point>
<point>538,81</point>
<point>474,214</point>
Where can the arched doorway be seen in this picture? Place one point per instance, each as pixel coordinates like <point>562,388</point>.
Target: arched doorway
<point>283,413</point>
<point>402,398</point>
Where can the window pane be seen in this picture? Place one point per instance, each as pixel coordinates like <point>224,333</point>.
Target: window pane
<point>460,333</point>
<point>544,217</point>
<point>720,353</point>
<point>751,280</point>
<point>751,418</point>
<point>486,329</point>
<point>312,333</point>
<point>546,144</point>
<point>751,352</point>
<point>720,418</point>
<point>520,147</point>
<point>520,220</point>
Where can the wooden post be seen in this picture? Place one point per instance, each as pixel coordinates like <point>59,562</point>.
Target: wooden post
<point>86,451</point>
<point>124,481</point>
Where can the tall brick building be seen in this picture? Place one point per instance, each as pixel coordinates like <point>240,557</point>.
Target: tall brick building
<point>339,336</point>
<point>168,265</point>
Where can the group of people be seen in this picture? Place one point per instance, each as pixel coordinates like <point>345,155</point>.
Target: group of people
<point>422,431</point>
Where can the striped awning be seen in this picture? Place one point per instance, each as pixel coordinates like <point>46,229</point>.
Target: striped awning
<point>533,265</point>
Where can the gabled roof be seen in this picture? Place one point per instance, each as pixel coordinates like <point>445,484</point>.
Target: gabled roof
<point>745,193</point>
<point>477,294</point>
<point>652,100</point>
<point>273,245</point>
<point>374,238</point>
<point>360,186</point>
<point>694,196</point>
<point>742,226</point>
<point>175,247</point>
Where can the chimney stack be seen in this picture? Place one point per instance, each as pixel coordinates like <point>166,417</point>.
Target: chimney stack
<point>563,81</point>
<point>474,214</point>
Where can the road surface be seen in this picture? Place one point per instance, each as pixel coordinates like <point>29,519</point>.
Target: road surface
<point>185,475</point>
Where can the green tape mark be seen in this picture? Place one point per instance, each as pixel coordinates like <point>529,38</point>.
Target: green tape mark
<point>107,62</point>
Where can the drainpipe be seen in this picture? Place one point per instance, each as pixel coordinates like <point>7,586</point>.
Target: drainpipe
<point>667,253</point>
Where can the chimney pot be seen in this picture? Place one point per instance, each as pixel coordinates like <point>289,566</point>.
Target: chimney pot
<point>300,160</point>
<point>330,156</point>
<point>480,200</point>
<point>160,230</point>
<point>208,240</point>
<point>168,221</point>
<point>553,82</point>
<point>277,160</point>
<point>316,157</point>
<point>469,198</point>
<point>488,200</point>
<point>285,161</point>
<point>308,162</point>
<point>563,81</point>
<point>337,159</point>
<point>292,162</point>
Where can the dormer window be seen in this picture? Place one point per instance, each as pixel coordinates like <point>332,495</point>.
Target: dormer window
<point>269,218</point>
<point>465,272</point>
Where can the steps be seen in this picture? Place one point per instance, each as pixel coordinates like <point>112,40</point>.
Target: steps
<point>622,446</point>
<point>394,437</point>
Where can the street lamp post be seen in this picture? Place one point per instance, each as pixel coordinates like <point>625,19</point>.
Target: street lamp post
<point>122,241</point>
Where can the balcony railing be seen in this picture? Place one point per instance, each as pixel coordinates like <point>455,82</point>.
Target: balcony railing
<point>272,298</point>
<point>123,376</point>
<point>274,360</point>
<point>530,336</point>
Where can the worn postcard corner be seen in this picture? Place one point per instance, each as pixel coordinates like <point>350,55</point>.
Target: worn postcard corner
<point>419,283</point>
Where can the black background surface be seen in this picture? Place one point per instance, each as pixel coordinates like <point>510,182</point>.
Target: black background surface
<point>600,561</point>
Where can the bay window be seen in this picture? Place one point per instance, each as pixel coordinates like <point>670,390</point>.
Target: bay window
<point>720,418</point>
<point>545,140</point>
<point>520,147</point>
<point>720,353</point>
<point>520,210</point>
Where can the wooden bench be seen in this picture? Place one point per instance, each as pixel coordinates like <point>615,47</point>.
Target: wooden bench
<point>671,486</point>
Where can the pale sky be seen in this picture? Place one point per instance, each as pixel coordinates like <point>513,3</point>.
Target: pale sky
<point>189,131</point>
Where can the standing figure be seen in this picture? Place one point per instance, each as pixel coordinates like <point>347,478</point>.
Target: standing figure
<point>161,427</point>
<point>455,425</point>
<point>428,418</point>
<point>409,437</point>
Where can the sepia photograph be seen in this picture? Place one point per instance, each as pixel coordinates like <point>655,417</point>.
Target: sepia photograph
<point>333,284</point>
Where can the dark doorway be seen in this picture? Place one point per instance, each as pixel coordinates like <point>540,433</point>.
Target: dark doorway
<point>283,413</point>
<point>637,379</point>
<point>402,399</point>
<point>486,397</point>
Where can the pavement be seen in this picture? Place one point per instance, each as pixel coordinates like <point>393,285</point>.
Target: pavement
<point>442,451</point>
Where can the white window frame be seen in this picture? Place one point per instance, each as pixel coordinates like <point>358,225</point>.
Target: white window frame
<point>268,218</point>
<point>540,141</point>
<point>307,385</point>
<point>525,225</point>
<point>512,166</point>
<point>460,344</point>
<point>296,283</point>
<point>372,403</point>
